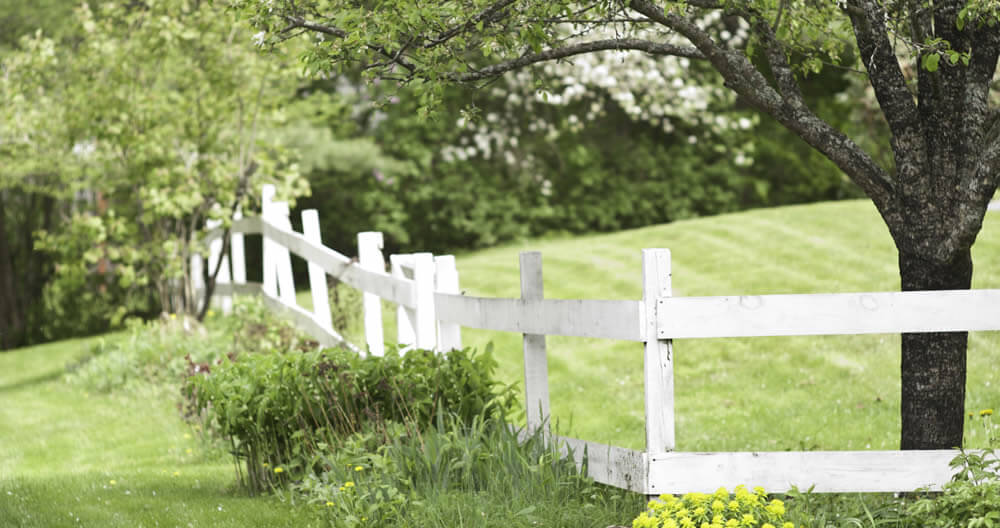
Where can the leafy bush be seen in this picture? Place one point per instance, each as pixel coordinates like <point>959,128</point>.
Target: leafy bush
<point>278,409</point>
<point>718,510</point>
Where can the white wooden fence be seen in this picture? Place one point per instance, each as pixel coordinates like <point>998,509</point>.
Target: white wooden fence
<point>431,311</point>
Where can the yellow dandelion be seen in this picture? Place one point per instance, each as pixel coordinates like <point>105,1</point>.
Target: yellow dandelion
<point>177,473</point>
<point>279,470</point>
<point>265,464</point>
<point>341,488</point>
<point>329,504</point>
<point>189,451</point>
<point>187,436</point>
<point>173,316</point>
<point>348,484</point>
<point>358,468</point>
<point>788,525</point>
<point>113,482</point>
<point>210,313</point>
<point>986,412</point>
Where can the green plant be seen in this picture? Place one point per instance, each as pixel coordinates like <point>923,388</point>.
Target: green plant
<point>970,500</point>
<point>719,510</point>
<point>277,409</point>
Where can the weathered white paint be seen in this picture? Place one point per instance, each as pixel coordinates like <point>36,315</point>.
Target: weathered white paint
<point>269,246</point>
<point>282,257</point>
<point>237,250</point>
<point>317,277</point>
<point>370,258</point>
<point>828,471</point>
<point>827,314</point>
<point>611,465</point>
<point>222,264</point>
<point>536,369</point>
<point>405,315</point>
<point>574,318</point>
<point>658,361</point>
<point>446,281</point>
<point>425,325</point>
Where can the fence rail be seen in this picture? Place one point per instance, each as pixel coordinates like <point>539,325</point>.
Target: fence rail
<point>431,312</point>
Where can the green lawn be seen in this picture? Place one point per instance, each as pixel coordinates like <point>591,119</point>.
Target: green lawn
<point>61,448</point>
<point>836,392</point>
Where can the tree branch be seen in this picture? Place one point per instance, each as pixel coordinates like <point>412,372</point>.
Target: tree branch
<point>653,48</point>
<point>746,80</point>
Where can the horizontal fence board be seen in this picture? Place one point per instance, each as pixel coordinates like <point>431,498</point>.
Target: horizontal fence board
<point>828,471</point>
<point>247,226</point>
<point>828,314</point>
<point>304,320</point>
<point>575,318</point>
<point>342,268</point>
<point>611,465</point>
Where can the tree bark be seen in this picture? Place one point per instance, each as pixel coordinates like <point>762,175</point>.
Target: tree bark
<point>933,365</point>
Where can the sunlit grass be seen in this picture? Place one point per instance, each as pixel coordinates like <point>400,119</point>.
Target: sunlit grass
<point>70,458</point>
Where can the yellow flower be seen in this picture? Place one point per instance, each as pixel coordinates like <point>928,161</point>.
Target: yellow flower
<point>776,508</point>
<point>759,490</point>
<point>173,316</point>
<point>358,468</point>
<point>767,525</point>
<point>788,525</point>
<point>986,412</point>
<point>718,505</point>
<point>265,464</point>
<point>348,484</point>
<point>748,519</point>
<point>733,505</point>
<point>210,313</point>
<point>189,450</point>
<point>341,488</point>
<point>177,473</point>
<point>279,470</point>
<point>187,436</point>
<point>732,523</point>
<point>699,511</point>
<point>328,504</point>
<point>113,483</point>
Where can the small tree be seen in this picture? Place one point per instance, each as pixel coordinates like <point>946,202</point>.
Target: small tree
<point>149,125</point>
<point>945,131</point>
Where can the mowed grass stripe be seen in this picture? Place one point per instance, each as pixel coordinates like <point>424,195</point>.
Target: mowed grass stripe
<point>825,392</point>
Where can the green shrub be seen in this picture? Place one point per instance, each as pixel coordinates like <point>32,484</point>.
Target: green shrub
<point>277,409</point>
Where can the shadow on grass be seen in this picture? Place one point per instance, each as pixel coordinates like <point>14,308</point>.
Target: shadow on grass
<point>31,382</point>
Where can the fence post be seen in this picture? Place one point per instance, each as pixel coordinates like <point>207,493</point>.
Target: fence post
<point>268,247</point>
<point>222,277</point>
<point>317,277</point>
<point>536,370</point>
<point>282,258</point>
<point>425,324</point>
<point>446,281</point>
<point>658,366</point>
<point>197,271</point>
<point>370,258</point>
<point>405,317</point>
<point>238,253</point>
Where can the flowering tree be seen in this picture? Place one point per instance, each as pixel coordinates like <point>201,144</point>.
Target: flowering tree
<point>945,133</point>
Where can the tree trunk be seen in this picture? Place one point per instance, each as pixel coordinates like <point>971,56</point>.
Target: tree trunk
<point>11,318</point>
<point>933,364</point>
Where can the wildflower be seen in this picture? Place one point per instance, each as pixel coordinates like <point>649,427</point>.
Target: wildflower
<point>265,464</point>
<point>177,473</point>
<point>759,490</point>
<point>113,483</point>
<point>718,506</point>
<point>187,436</point>
<point>279,470</point>
<point>732,523</point>
<point>173,316</point>
<point>776,508</point>
<point>733,505</point>
<point>358,468</point>
<point>986,412</point>
<point>348,484</point>
<point>748,519</point>
<point>329,504</point>
<point>767,525</point>
<point>788,525</point>
<point>189,451</point>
